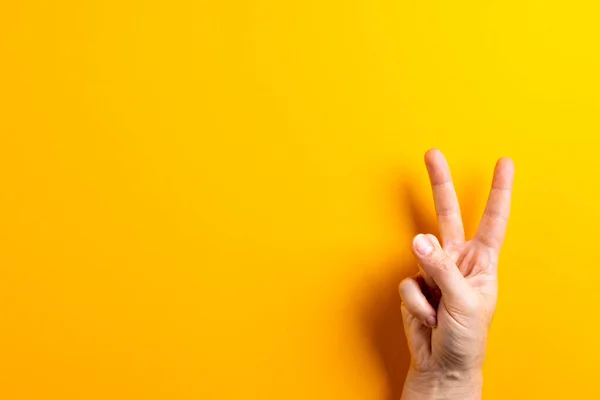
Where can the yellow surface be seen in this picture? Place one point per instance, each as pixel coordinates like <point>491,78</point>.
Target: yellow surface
<point>214,200</point>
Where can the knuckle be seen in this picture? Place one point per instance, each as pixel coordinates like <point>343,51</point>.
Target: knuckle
<point>404,286</point>
<point>445,265</point>
<point>442,262</point>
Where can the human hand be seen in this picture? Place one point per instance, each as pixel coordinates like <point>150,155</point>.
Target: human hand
<point>448,307</point>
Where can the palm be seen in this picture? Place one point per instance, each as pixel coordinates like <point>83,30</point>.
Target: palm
<point>478,265</point>
<point>476,259</point>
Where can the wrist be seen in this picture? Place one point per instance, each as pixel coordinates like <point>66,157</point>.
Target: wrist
<point>443,384</point>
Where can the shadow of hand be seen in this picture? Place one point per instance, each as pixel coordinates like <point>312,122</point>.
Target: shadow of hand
<point>382,317</point>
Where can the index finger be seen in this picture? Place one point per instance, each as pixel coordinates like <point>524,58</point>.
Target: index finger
<point>445,199</point>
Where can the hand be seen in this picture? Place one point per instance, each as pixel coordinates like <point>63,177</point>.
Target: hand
<point>448,307</point>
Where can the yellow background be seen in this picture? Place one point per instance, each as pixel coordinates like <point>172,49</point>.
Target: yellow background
<point>215,199</point>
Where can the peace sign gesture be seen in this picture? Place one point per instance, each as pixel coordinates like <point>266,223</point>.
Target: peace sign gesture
<point>448,307</point>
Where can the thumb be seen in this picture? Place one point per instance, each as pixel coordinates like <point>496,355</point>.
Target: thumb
<point>436,263</point>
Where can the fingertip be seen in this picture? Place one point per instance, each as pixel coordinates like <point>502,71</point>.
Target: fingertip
<point>504,173</point>
<point>432,155</point>
<point>437,167</point>
<point>506,163</point>
<point>422,245</point>
<point>431,321</point>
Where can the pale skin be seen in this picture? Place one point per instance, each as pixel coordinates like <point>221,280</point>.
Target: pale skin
<point>448,306</point>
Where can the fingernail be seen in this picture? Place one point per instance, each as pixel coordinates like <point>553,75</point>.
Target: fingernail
<point>422,245</point>
<point>431,321</point>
